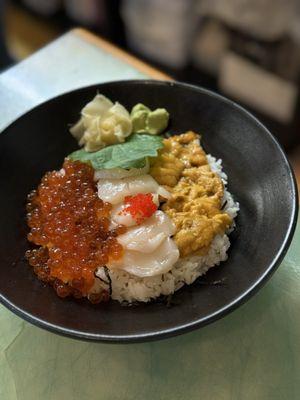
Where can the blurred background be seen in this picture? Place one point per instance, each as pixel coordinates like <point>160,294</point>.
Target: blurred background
<point>248,50</point>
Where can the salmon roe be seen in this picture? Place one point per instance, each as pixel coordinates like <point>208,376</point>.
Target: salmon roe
<point>71,224</point>
<point>140,207</point>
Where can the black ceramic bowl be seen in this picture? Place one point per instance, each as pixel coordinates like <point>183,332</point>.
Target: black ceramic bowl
<point>260,178</point>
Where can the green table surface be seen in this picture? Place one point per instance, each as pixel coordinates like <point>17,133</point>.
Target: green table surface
<point>252,354</point>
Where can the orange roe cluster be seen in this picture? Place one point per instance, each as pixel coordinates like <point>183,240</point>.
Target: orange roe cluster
<point>71,224</point>
<point>140,206</point>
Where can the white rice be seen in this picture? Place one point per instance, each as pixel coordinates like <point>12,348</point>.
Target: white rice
<point>129,288</point>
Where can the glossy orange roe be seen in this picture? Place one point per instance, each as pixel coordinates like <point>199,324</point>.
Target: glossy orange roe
<point>70,223</point>
<point>140,206</point>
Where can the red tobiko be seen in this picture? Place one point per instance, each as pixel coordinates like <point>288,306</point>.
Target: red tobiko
<point>140,206</point>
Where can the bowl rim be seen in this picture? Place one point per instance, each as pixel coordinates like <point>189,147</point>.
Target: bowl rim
<point>199,322</point>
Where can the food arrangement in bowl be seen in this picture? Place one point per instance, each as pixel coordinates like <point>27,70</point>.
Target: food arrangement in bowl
<point>139,210</point>
<point>136,213</point>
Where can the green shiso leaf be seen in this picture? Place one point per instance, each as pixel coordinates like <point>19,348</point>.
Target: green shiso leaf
<point>131,154</point>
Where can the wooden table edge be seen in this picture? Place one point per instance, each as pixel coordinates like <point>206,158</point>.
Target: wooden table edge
<point>121,54</point>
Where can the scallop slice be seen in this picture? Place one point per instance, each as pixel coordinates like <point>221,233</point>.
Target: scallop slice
<point>146,265</point>
<point>115,190</point>
<point>149,235</point>
<point>119,215</point>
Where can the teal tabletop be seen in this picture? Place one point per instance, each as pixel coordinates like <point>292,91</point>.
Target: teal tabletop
<point>251,354</point>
